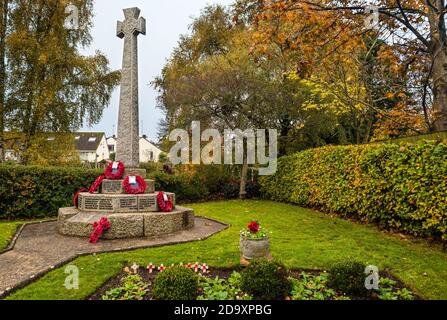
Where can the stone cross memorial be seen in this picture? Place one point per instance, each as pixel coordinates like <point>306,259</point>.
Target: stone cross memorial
<point>130,215</point>
<point>128,150</point>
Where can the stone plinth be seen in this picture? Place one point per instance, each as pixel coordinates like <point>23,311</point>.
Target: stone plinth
<point>135,172</point>
<point>73,222</point>
<point>116,186</point>
<point>120,203</point>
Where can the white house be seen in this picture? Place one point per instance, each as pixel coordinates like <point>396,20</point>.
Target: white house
<point>92,146</point>
<point>148,151</point>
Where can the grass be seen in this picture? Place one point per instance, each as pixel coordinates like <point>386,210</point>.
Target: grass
<point>7,231</point>
<point>301,238</point>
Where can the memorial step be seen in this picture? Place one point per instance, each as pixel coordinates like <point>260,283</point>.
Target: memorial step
<point>120,203</point>
<point>116,186</point>
<point>73,222</point>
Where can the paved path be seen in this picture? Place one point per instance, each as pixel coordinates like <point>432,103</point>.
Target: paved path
<point>39,249</point>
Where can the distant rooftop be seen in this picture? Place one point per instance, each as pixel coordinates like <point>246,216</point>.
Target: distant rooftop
<point>88,141</point>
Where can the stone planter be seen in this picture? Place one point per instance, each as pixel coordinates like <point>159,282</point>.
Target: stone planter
<point>254,248</point>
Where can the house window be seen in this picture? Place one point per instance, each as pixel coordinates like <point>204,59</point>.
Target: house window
<point>151,155</point>
<point>92,139</point>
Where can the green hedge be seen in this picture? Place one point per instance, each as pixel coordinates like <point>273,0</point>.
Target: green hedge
<point>186,189</point>
<point>400,187</point>
<point>37,192</point>
<point>212,182</point>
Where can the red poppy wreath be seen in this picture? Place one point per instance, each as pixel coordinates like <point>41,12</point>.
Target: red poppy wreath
<point>95,186</point>
<point>114,171</point>
<point>76,197</point>
<point>99,228</point>
<point>164,202</point>
<point>134,185</point>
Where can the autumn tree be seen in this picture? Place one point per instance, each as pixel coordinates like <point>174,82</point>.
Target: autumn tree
<point>325,30</point>
<point>3,25</point>
<point>211,78</point>
<point>52,150</point>
<point>51,86</point>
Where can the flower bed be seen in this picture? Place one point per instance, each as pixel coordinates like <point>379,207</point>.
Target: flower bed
<point>225,284</point>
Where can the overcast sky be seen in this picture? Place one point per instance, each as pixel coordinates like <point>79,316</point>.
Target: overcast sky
<point>166,21</point>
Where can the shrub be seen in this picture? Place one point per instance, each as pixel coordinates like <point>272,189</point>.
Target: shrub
<point>133,288</point>
<point>348,277</point>
<point>186,189</point>
<point>231,189</point>
<point>253,190</point>
<point>399,187</point>
<point>200,183</point>
<point>37,192</point>
<point>265,280</point>
<point>219,289</point>
<point>176,283</point>
<point>388,291</point>
<point>310,287</point>
<point>151,166</point>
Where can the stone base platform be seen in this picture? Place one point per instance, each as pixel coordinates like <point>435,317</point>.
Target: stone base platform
<point>135,171</point>
<point>73,222</point>
<point>120,203</point>
<point>116,186</point>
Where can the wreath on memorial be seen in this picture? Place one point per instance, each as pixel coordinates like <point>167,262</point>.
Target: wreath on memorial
<point>95,186</point>
<point>76,197</point>
<point>138,187</point>
<point>114,170</point>
<point>164,202</point>
<point>100,228</point>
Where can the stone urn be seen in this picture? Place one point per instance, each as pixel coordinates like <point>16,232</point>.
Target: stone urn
<point>254,248</point>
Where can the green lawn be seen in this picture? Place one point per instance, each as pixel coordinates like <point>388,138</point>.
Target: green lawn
<point>301,238</point>
<point>7,231</point>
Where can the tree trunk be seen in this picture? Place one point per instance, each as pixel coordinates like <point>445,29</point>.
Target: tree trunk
<point>244,174</point>
<point>439,56</point>
<point>3,24</point>
<point>285,129</point>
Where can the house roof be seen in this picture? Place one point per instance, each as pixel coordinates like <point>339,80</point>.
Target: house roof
<point>153,144</point>
<point>88,141</point>
<point>144,137</point>
<point>84,141</point>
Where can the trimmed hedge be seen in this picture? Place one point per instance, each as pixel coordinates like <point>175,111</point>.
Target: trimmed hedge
<point>400,187</point>
<point>30,192</point>
<point>202,183</point>
<point>36,192</point>
<point>186,189</point>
